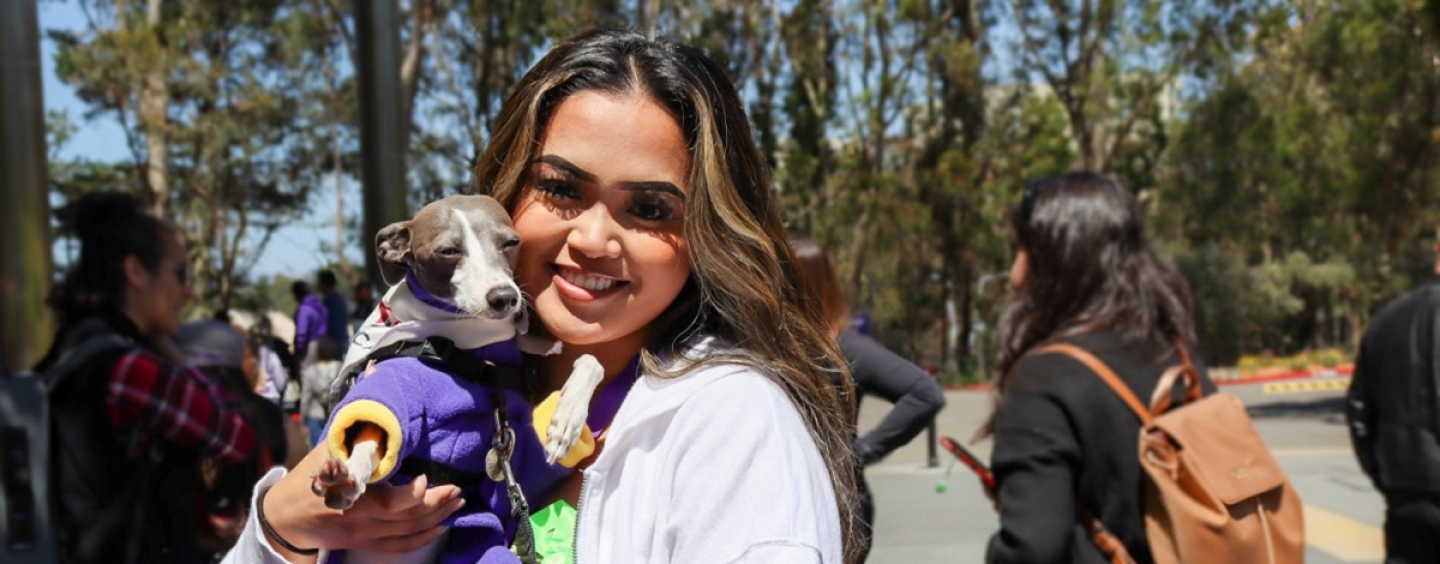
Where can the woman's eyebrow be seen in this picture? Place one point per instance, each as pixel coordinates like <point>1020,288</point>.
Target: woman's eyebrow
<point>638,186</point>
<point>566,166</point>
<point>655,186</point>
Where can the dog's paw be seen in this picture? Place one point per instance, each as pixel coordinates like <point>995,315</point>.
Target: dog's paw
<point>574,406</point>
<point>335,483</point>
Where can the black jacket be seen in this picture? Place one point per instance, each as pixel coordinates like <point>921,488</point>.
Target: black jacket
<point>1061,434</point>
<point>879,372</point>
<point>113,507</point>
<point>1392,403</point>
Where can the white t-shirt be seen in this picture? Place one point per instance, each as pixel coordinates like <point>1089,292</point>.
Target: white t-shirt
<point>715,466</point>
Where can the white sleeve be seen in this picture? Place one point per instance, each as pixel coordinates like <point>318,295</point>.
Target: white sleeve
<point>749,483</point>
<point>252,548</point>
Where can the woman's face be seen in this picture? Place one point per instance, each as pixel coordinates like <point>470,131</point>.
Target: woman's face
<point>156,298</point>
<point>600,220</point>
<point>1020,270</point>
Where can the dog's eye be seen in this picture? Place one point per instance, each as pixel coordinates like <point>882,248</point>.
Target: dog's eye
<point>510,244</point>
<point>449,252</point>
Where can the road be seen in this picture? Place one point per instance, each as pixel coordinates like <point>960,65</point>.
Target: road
<point>1303,425</point>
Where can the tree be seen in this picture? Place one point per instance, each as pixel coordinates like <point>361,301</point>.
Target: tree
<point>230,151</point>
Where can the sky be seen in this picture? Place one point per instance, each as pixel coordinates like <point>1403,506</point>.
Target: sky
<point>295,248</point>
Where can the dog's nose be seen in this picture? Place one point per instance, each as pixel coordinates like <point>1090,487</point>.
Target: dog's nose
<point>502,298</point>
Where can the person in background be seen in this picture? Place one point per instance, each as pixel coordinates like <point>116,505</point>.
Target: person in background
<point>364,297</point>
<point>877,371</point>
<point>315,383</point>
<point>131,424</point>
<point>337,312</point>
<point>221,352</point>
<point>1083,275</point>
<point>311,324</point>
<point>273,360</point>
<point>1396,434</point>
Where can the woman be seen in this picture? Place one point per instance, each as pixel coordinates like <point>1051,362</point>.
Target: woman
<point>1085,275</point>
<point>130,422</point>
<point>877,372</point>
<point>219,350</point>
<point>651,238</point>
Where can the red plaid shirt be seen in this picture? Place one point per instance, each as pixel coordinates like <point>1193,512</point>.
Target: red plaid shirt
<point>182,405</point>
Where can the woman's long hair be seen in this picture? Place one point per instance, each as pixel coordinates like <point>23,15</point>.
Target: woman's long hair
<point>1090,268</point>
<point>744,287</point>
<point>817,276</point>
<point>110,227</point>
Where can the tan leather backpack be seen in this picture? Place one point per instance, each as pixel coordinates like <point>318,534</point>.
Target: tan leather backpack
<point>1213,491</point>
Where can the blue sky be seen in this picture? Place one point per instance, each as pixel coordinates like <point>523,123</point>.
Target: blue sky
<point>295,248</point>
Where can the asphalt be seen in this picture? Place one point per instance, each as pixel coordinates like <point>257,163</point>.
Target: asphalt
<point>1304,426</point>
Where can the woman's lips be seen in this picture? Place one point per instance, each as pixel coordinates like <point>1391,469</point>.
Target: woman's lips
<point>584,286</point>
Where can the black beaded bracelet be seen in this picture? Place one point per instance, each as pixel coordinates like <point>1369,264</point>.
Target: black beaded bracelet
<point>270,531</point>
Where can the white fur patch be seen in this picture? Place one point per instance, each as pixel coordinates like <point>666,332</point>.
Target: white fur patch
<point>483,269</point>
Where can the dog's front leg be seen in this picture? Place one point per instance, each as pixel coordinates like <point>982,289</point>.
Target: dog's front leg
<point>574,407</point>
<point>341,482</point>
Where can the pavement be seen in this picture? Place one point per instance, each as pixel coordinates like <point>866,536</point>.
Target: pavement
<point>1303,425</point>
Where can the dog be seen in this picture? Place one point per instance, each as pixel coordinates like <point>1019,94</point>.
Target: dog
<point>451,274</point>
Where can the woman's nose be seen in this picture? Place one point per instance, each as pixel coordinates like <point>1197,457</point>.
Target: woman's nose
<point>595,233</point>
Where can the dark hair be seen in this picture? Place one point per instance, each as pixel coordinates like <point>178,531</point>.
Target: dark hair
<point>817,276</point>
<point>327,349</point>
<point>326,279</point>
<point>299,289</point>
<point>1089,269</point>
<point>110,227</point>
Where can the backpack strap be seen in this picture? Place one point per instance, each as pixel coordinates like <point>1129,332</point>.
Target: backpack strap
<point>1109,545</point>
<point>75,357</point>
<point>1108,376</point>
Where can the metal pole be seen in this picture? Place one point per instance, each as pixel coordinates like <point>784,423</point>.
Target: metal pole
<point>26,514</point>
<point>25,263</point>
<point>382,143</point>
<point>932,460</point>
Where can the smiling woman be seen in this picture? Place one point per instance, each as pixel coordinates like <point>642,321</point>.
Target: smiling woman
<point>650,239</point>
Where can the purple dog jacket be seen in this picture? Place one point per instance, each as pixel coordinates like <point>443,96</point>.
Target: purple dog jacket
<point>448,422</point>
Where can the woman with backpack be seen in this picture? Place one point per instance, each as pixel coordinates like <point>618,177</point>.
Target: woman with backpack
<point>130,423</point>
<point>1083,275</point>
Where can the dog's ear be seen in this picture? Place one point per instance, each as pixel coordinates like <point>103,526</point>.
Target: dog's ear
<point>392,247</point>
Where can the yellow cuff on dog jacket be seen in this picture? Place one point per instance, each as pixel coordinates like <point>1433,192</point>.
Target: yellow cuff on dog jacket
<point>374,413</point>
<point>541,417</point>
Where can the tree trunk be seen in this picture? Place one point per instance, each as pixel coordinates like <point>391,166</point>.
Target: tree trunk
<point>410,66</point>
<point>154,100</point>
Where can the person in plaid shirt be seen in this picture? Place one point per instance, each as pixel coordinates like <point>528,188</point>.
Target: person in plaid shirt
<point>132,424</point>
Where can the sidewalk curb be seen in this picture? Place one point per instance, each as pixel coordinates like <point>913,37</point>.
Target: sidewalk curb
<point>1340,372</point>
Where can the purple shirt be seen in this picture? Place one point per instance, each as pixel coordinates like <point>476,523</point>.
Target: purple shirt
<point>310,324</point>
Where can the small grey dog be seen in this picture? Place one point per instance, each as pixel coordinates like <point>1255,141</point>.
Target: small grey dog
<point>450,270</point>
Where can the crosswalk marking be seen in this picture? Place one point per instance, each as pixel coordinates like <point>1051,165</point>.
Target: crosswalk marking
<point>1343,537</point>
<point>1309,386</point>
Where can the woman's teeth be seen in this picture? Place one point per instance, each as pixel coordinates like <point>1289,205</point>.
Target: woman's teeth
<point>592,283</point>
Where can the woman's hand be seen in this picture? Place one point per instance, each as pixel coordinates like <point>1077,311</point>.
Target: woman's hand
<point>386,519</point>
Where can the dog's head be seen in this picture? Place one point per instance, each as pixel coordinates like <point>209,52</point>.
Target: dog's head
<point>460,249</point>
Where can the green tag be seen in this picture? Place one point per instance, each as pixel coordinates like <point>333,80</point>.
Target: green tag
<point>555,532</point>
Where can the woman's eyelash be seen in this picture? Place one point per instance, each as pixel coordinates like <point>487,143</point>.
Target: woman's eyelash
<point>654,207</point>
<point>557,187</point>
